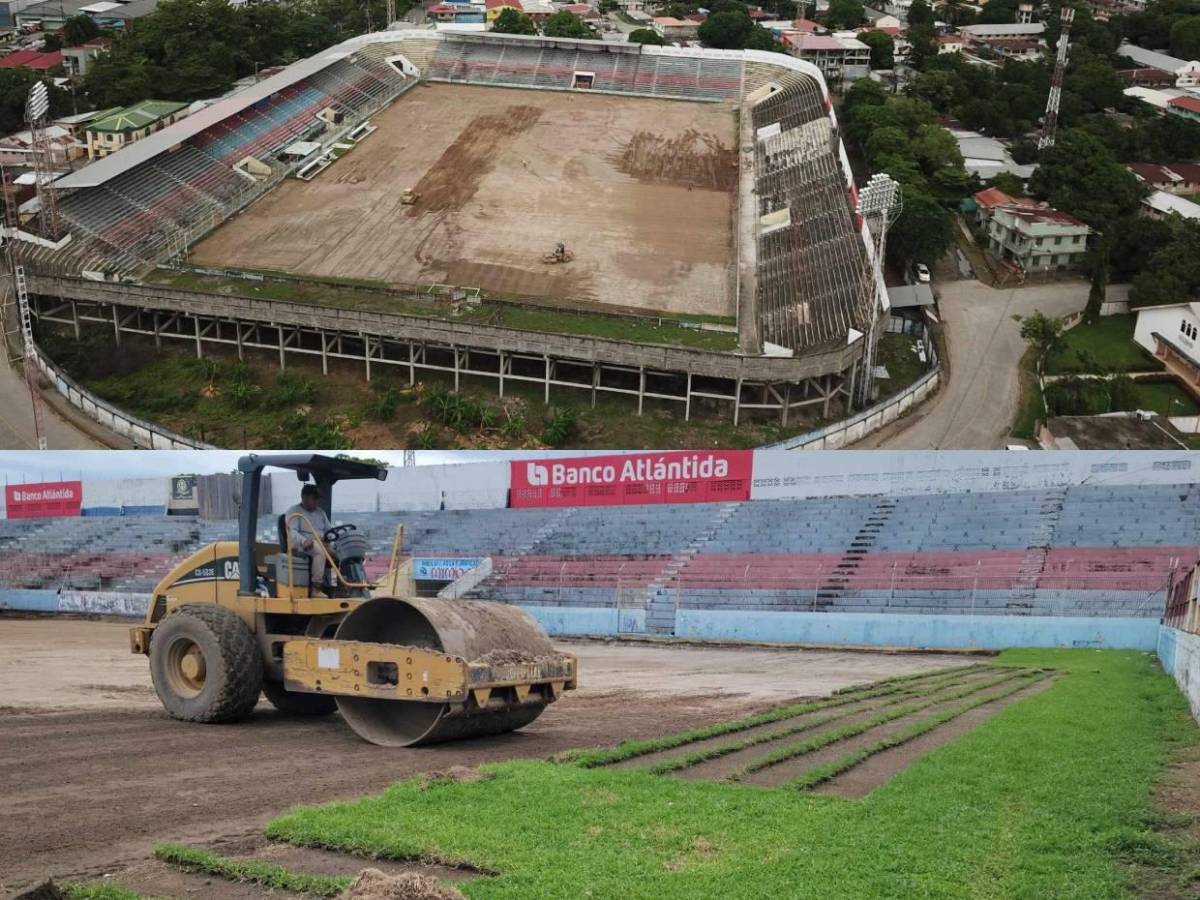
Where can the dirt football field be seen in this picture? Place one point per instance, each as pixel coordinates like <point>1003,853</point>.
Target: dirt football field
<point>96,775</point>
<point>640,190</point>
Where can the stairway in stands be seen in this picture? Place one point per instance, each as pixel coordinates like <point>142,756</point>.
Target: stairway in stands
<point>500,564</point>
<point>1034,562</point>
<point>659,600</point>
<point>834,586</point>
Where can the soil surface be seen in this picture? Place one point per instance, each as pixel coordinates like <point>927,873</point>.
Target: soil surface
<point>96,775</point>
<point>640,190</point>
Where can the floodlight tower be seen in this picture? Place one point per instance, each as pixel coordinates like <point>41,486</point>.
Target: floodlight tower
<point>37,105</point>
<point>879,204</point>
<point>1050,119</point>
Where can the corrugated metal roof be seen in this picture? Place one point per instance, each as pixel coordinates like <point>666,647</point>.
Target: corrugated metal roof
<point>1151,58</point>
<point>146,149</point>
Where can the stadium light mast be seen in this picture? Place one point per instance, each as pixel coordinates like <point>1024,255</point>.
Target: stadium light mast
<point>37,106</point>
<point>1050,119</point>
<point>879,204</point>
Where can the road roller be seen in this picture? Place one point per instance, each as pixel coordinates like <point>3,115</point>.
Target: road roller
<point>240,619</point>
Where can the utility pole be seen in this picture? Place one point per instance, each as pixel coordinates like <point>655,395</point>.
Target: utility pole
<point>1050,119</point>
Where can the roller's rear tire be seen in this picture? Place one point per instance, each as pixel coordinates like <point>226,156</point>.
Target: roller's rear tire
<point>293,703</point>
<point>205,664</point>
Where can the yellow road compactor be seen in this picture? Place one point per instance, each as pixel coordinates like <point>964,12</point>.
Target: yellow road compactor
<point>239,619</point>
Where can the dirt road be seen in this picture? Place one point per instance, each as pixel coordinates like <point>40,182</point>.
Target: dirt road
<point>95,774</point>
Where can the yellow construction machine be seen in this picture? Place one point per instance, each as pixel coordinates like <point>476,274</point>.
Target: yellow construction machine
<point>240,618</point>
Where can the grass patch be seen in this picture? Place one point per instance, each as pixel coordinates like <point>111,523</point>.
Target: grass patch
<point>629,749</point>
<point>704,754</point>
<point>819,774</point>
<point>1108,344</point>
<point>903,365</point>
<point>98,892</point>
<point>1165,397</point>
<point>192,859</point>
<point>849,731</point>
<point>1045,799</point>
<point>1031,408</point>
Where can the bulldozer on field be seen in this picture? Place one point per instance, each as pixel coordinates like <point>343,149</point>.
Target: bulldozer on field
<point>242,618</point>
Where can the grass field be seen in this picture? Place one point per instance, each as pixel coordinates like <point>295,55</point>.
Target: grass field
<point>1108,343</point>
<point>1050,797</point>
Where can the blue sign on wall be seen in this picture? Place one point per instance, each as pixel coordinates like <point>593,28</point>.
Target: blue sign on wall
<point>443,568</point>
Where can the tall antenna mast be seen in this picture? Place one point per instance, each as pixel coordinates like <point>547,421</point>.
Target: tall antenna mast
<point>879,203</point>
<point>1050,120</point>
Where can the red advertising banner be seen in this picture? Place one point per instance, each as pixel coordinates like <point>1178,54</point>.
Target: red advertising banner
<point>679,476</point>
<point>40,501</point>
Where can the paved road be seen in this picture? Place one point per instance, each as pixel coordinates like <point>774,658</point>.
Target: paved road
<point>16,419</point>
<point>976,408</point>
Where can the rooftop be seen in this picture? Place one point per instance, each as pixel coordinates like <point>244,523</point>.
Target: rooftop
<point>1161,201</point>
<point>1172,173</point>
<point>1031,28</point>
<point>991,197</point>
<point>1112,432</point>
<point>32,59</point>
<point>132,118</point>
<point>1043,215</point>
<point>1191,104</point>
<point>1151,58</point>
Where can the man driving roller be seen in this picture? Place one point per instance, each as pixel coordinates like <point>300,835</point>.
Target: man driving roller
<point>304,539</point>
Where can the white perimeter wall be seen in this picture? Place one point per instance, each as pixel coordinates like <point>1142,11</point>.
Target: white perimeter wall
<point>126,492</point>
<point>469,486</point>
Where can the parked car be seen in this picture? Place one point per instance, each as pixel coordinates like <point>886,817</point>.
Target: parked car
<point>922,271</point>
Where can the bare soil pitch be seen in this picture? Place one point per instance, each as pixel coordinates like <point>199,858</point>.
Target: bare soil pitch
<point>96,775</point>
<point>641,191</point>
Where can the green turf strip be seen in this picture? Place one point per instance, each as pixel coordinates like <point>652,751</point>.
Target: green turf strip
<point>192,859</point>
<point>820,774</point>
<point>849,731</point>
<point>704,754</point>
<point>627,749</point>
<point>1045,799</point>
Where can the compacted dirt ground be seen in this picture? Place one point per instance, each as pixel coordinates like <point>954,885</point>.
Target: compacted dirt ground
<point>95,775</point>
<point>640,190</point>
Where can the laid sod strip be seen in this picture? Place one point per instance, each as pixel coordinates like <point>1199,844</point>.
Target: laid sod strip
<point>192,859</point>
<point>821,774</point>
<point>715,751</point>
<point>758,733</point>
<point>605,756</point>
<point>841,734</point>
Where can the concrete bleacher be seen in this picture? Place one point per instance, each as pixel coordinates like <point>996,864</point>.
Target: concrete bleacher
<point>1079,551</point>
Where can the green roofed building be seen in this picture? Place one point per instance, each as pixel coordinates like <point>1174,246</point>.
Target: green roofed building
<point>109,133</point>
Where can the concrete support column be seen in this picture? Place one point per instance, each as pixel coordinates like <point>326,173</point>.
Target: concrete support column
<point>282,363</point>
<point>199,346</point>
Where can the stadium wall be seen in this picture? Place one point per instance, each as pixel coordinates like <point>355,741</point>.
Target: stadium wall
<point>1179,653</point>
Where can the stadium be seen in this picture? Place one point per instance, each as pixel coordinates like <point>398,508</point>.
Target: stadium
<point>672,224</point>
<point>825,674</point>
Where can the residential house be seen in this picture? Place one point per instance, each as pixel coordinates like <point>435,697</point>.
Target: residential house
<point>77,60</point>
<point>978,34</point>
<point>125,126</point>
<point>1174,178</point>
<point>1172,333</point>
<point>1186,107</point>
<point>987,157</point>
<point>493,8</point>
<point>1161,205</point>
<point>1022,49</point>
<point>17,149</point>
<point>950,43</point>
<point>444,12</point>
<point>1037,238</point>
<point>675,30</point>
<point>32,59</point>
<point>838,56</point>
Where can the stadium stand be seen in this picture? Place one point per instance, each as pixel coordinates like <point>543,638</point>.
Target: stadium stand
<point>1080,551</point>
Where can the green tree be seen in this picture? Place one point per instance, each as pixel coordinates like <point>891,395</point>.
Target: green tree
<point>565,25</point>
<point>1043,333</point>
<point>998,12</point>
<point>512,21</point>
<point>727,30</point>
<point>762,39</point>
<point>920,13</point>
<point>883,48</point>
<point>14,90</point>
<point>923,231</point>
<point>646,36</point>
<point>923,47</point>
<point>1185,37</point>
<point>607,6</point>
<point>845,14</point>
<point>1080,176</point>
<point>79,30</point>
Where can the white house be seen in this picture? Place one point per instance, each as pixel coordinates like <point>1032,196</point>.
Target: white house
<point>1172,333</point>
